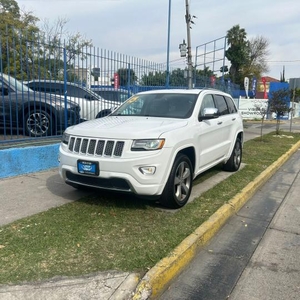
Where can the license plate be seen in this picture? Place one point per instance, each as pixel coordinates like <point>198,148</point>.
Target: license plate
<point>88,167</point>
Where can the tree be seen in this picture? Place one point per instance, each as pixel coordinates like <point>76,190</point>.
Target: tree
<point>237,53</point>
<point>263,112</point>
<point>124,78</point>
<point>156,78</point>
<point>279,104</point>
<point>282,75</point>
<point>53,36</point>
<point>257,55</point>
<point>247,57</point>
<point>16,27</point>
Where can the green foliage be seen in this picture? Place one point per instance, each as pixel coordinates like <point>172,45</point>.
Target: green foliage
<point>279,104</point>
<point>156,78</point>
<point>15,28</point>
<point>295,95</point>
<point>247,57</point>
<point>237,52</point>
<point>177,77</point>
<point>29,52</point>
<point>126,76</point>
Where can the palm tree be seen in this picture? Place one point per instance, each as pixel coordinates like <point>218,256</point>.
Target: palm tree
<point>237,52</point>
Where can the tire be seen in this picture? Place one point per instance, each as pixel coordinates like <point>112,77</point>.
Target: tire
<point>179,185</point>
<point>38,123</point>
<point>234,162</point>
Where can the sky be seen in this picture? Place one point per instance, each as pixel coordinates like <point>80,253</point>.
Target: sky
<point>139,28</point>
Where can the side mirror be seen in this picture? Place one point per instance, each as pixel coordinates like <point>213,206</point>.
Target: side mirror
<point>209,113</point>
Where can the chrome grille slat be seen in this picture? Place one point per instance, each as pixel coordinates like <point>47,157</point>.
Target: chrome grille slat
<point>96,147</point>
<point>77,145</point>
<point>91,148</point>
<point>109,148</point>
<point>100,147</point>
<point>119,148</point>
<point>71,144</point>
<point>84,146</point>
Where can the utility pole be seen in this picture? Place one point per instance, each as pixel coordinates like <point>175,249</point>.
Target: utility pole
<point>168,48</point>
<point>189,46</point>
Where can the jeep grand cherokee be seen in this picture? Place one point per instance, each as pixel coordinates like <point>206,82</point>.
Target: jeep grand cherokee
<point>155,144</point>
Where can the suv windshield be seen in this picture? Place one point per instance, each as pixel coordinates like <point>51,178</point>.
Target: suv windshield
<point>166,105</point>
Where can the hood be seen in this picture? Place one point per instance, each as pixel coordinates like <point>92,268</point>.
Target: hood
<point>117,127</point>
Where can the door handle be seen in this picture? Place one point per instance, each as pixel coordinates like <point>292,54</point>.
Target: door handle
<point>219,123</point>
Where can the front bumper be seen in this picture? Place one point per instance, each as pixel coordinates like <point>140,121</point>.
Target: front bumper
<point>121,174</point>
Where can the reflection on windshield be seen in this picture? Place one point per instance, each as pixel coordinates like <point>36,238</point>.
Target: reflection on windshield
<point>166,105</point>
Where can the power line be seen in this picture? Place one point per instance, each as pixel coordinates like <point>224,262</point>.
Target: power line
<point>283,61</point>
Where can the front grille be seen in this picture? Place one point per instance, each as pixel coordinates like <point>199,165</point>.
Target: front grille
<point>96,147</point>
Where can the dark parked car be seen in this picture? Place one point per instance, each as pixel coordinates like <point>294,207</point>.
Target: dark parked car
<point>38,114</point>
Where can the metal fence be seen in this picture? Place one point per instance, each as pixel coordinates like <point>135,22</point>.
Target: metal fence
<point>68,83</point>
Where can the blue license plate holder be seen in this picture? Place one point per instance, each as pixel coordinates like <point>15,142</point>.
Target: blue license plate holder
<point>88,167</point>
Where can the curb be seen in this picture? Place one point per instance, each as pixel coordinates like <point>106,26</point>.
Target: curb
<point>25,160</point>
<point>156,279</point>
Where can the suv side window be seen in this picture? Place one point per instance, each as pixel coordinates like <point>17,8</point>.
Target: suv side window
<point>221,105</point>
<point>75,91</point>
<point>231,107</point>
<point>207,102</point>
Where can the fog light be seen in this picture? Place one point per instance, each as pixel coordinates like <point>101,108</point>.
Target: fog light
<point>147,170</point>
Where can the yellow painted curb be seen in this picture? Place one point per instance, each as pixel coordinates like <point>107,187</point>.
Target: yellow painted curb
<point>156,279</point>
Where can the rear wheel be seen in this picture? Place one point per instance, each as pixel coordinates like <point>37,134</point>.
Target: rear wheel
<point>234,162</point>
<point>38,123</point>
<point>179,185</point>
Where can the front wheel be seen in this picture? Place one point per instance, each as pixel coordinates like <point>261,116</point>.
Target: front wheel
<point>234,162</point>
<point>38,123</point>
<point>179,185</point>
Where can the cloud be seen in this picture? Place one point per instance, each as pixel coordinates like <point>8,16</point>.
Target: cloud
<point>139,28</point>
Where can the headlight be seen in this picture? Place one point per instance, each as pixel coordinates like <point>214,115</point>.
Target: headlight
<point>65,138</point>
<point>140,145</point>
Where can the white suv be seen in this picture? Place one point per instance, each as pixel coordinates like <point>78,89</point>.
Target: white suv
<point>155,144</point>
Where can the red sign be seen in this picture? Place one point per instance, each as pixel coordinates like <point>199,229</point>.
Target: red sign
<point>263,79</point>
<point>116,81</point>
<point>212,81</point>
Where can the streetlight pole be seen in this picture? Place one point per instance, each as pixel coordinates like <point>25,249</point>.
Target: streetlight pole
<point>168,48</point>
<point>189,46</point>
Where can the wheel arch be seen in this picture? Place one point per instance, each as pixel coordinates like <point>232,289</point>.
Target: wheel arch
<point>190,153</point>
<point>28,106</point>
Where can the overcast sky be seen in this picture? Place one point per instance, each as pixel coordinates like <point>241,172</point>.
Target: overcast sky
<point>139,28</point>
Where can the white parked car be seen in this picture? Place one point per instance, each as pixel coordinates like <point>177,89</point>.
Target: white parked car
<point>92,105</point>
<point>155,144</point>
